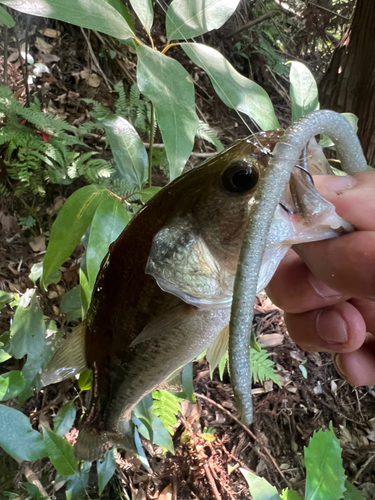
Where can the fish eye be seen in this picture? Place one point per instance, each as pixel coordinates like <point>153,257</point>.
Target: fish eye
<point>240,177</point>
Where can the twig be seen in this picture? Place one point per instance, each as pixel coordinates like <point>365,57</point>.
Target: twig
<point>26,62</point>
<point>22,66</point>
<point>359,473</point>
<point>330,11</point>
<point>254,22</point>
<point>33,478</point>
<point>152,123</point>
<point>211,481</point>
<point>108,83</point>
<point>247,430</point>
<point>6,33</point>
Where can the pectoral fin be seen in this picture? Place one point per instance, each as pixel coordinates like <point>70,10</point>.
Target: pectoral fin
<point>173,318</point>
<point>218,348</point>
<point>69,360</point>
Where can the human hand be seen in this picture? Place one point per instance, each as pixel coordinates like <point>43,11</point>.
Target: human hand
<point>327,288</point>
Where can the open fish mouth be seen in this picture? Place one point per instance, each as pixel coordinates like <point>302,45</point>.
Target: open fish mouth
<point>182,263</point>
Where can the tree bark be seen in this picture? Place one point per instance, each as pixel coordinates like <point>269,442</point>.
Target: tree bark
<point>349,83</point>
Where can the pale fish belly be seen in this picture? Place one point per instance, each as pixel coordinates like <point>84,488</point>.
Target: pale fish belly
<point>169,351</point>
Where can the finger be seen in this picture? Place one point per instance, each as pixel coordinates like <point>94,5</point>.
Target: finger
<point>353,197</point>
<point>295,289</point>
<point>358,367</point>
<point>340,328</point>
<point>345,264</point>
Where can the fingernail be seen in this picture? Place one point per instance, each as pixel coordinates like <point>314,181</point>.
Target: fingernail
<point>334,182</point>
<point>337,364</point>
<point>321,288</point>
<point>331,327</point>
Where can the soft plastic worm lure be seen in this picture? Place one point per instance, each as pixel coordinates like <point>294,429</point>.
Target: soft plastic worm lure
<point>271,188</point>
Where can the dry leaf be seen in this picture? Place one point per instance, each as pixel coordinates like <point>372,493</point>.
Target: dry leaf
<point>38,244</point>
<point>167,493</point>
<point>271,340</point>
<point>50,33</point>
<point>43,46</point>
<point>94,80</point>
<point>48,58</point>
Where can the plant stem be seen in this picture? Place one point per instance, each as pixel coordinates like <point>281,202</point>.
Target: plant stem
<point>22,66</point>
<point>169,46</point>
<point>26,63</point>
<point>152,41</point>
<point>152,124</point>
<point>6,55</point>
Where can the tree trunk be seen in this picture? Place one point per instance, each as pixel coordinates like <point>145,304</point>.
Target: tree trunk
<point>349,83</point>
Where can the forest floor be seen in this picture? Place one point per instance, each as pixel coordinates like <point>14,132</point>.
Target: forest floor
<point>310,396</point>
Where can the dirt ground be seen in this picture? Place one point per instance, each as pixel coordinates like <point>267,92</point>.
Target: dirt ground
<point>285,417</point>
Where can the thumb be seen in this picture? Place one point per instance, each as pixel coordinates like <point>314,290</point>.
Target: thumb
<point>353,197</point>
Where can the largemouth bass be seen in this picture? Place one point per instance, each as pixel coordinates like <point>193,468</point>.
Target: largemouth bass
<point>164,290</point>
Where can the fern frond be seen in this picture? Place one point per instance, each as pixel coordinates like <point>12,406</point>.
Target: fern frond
<point>166,407</point>
<point>208,134</point>
<point>262,367</point>
<point>122,107</point>
<point>98,111</point>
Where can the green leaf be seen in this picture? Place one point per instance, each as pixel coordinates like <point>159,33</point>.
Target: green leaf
<point>236,91</point>
<point>141,453</point>
<point>11,384</point>
<point>148,193</point>
<point>3,355</point>
<point>105,468</point>
<point>128,150</point>
<point>71,304</point>
<point>120,7</point>
<point>144,411</point>
<point>288,494</point>
<point>262,367</point>
<point>188,19</point>
<point>303,91</point>
<point>260,489</point>
<point>170,88</point>
<point>70,225</point>
<point>166,407</point>
<point>5,298</point>
<point>37,271</point>
<point>208,134</point>
<point>6,18</point>
<point>91,14</point>
<point>77,483</point>
<point>161,436</point>
<point>33,491</point>
<point>85,289</point>
<point>222,365</point>
<point>352,493</point>
<point>325,475</point>
<point>108,223</point>
<point>60,452</point>
<point>17,438</point>
<point>27,336</point>
<point>64,419</point>
<point>85,380</point>
<point>145,12</point>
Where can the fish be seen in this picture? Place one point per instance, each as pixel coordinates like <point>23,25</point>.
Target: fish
<point>164,290</point>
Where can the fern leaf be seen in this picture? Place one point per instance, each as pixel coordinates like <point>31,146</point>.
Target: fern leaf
<point>166,407</point>
<point>262,367</point>
<point>208,134</point>
<point>121,104</point>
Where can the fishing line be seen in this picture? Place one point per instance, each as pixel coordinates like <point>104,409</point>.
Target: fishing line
<point>164,9</point>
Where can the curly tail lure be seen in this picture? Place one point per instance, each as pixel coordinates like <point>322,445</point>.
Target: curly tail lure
<point>285,155</point>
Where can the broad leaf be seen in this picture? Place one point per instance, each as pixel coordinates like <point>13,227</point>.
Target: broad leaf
<point>161,436</point>
<point>71,304</point>
<point>70,225</point>
<point>64,419</point>
<point>85,380</point>
<point>128,150</point>
<point>11,384</point>
<point>170,88</point>
<point>303,91</point>
<point>27,336</point>
<point>141,453</point>
<point>6,18</point>
<point>235,90</point>
<point>260,489</point>
<point>145,12</point>
<point>5,298</point>
<point>60,452</point>
<point>120,7</point>
<point>144,411</point>
<point>33,491</point>
<point>3,355</point>
<point>188,19</point>
<point>18,438</point>
<point>105,468</point>
<point>91,14</point>
<point>148,193</point>
<point>288,494</point>
<point>77,483</point>
<point>108,223</point>
<point>352,493</point>
<point>37,272</point>
<point>325,475</point>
